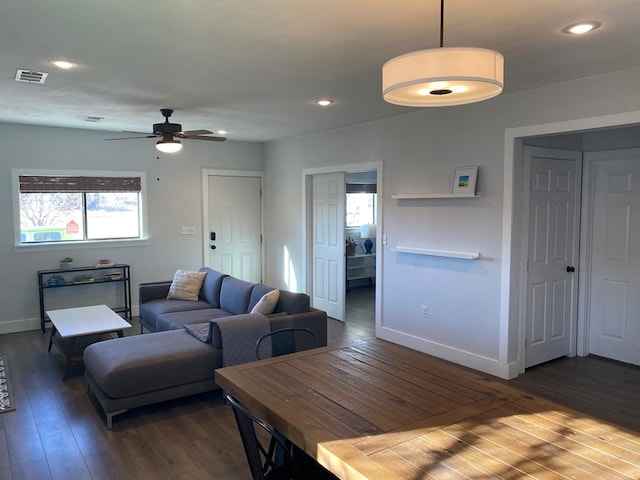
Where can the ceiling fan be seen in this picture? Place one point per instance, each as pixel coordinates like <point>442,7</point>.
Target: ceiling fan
<point>168,131</point>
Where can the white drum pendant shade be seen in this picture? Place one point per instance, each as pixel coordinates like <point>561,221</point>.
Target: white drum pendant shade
<point>441,77</point>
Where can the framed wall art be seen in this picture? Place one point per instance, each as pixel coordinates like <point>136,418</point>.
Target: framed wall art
<point>464,180</point>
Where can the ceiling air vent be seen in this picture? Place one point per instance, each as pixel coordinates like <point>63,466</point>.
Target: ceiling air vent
<point>30,76</point>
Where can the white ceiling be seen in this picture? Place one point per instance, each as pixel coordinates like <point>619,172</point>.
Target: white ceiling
<point>254,67</point>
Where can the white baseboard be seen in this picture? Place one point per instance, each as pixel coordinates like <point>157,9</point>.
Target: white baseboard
<point>451,354</point>
<point>23,325</point>
<point>510,371</point>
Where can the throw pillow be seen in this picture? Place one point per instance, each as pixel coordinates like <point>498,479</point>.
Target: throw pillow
<point>186,285</point>
<point>267,303</point>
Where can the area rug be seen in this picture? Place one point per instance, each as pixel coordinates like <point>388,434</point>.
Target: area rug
<point>6,400</point>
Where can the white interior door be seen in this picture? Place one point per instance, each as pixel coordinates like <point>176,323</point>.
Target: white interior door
<point>329,200</point>
<point>552,252</point>
<point>614,299</point>
<point>233,242</point>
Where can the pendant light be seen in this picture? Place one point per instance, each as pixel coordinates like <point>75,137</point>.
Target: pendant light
<point>441,77</point>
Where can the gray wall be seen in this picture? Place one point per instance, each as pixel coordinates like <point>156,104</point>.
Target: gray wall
<point>174,197</point>
<point>419,151</point>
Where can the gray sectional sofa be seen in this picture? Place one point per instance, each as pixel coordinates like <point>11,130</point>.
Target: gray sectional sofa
<point>176,359</point>
<point>221,296</point>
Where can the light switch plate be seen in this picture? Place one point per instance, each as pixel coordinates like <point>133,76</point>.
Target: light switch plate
<point>187,230</point>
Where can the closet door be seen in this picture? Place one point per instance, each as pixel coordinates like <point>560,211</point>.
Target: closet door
<point>553,245</point>
<point>614,299</point>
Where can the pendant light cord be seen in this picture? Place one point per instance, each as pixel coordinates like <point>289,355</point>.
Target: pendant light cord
<point>441,23</point>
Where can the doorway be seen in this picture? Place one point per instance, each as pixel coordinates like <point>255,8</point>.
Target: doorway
<point>375,294</point>
<point>591,141</point>
<point>361,229</point>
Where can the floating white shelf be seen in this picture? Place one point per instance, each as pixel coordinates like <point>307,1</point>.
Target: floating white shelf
<point>409,196</point>
<point>437,253</point>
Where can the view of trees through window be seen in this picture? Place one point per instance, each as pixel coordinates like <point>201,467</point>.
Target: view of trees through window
<point>112,215</point>
<point>52,217</point>
<point>360,209</point>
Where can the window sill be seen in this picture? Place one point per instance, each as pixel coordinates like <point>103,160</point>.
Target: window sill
<point>62,246</point>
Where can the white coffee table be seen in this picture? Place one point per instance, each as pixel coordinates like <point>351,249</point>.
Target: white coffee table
<point>85,323</point>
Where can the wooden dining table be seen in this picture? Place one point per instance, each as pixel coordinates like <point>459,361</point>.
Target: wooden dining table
<point>377,410</point>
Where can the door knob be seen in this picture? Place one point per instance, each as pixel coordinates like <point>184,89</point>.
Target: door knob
<point>570,269</point>
<point>213,247</point>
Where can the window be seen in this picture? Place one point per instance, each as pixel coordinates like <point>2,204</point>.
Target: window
<point>361,204</point>
<point>54,208</point>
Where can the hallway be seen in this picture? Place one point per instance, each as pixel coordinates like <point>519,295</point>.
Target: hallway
<point>360,316</point>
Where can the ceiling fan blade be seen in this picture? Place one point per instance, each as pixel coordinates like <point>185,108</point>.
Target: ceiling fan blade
<point>131,138</point>
<point>169,131</point>
<point>190,133</point>
<point>211,139</point>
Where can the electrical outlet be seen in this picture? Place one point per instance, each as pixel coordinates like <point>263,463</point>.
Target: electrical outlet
<point>425,311</point>
<point>187,230</point>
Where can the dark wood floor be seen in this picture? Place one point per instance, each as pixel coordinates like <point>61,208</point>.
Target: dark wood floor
<point>360,317</point>
<point>57,431</point>
<point>600,387</point>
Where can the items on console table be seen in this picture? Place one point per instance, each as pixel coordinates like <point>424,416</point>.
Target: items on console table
<point>82,279</point>
<point>104,263</point>
<point>55,281</point>
<point>76,276</point>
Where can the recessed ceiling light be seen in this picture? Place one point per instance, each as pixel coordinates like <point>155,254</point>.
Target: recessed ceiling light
<point>581,27</point>
<point>63,64</point>
<point>324,102</point>
<point>222,132</point>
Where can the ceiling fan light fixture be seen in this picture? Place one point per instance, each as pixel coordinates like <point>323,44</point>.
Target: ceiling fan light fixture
<point>442,77</point>
<point>169,146</point>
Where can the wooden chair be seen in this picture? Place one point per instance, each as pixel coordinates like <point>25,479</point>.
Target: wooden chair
<point>284,341</point>
<point>277,460</point>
